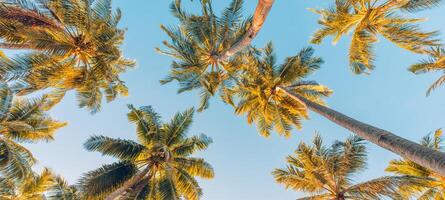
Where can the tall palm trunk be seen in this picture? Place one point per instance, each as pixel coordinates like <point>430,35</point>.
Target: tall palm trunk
<point>129,183</point>
<point>407,149</point>
<point>259,17</point>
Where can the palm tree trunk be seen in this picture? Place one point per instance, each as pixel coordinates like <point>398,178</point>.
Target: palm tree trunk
<point>129,183</point>
<point>407,149</point>
<point>259,17</point>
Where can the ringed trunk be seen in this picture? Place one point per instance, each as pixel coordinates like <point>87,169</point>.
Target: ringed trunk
<point>129,183</point>
<point>259,17</point>
<point>427,157</point>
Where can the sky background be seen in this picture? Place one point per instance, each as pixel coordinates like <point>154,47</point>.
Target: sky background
<point>390,98</point>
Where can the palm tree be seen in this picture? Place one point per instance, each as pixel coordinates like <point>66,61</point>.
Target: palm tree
<point>75,46</point>
<point>436,62</point>
<point>327,172</point>
<point>196,46</point>
<point>368,19</point>
<point>158,166</point>
<point>276,96</point>
<point>60,189</point>
<point>33,187</point>
<point>21,121</point>
<point>262,104</point>
<point>434,183</point>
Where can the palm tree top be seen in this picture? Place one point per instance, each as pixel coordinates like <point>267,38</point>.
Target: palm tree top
<point>161,158</point>
<point>45,185</point>
<point>75,45</point>
<point>257,95</point>
<point>328,172</point>
<point>22,120</point>
<point>368,19</point>
<point>196,45</point>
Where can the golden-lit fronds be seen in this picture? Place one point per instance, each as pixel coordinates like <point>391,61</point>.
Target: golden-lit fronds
<point>326,172</point>
<point>163,148</point>
<point>22,120</point>
<point>196,45</point>
<point>75,46</point>
<point>33,187</point>
<point>433,186</point>
<point>435,63</point>
<point>368,19</point>
<point>256,93</point>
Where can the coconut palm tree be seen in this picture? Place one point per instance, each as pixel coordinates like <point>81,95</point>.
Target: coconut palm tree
<point>326,172</point>
<point>433,187</point>
<point>158,166</point>
<point>33,187</point>
<point>21,120</point>
<point>75,45</point>
<point>196,45</point>
<point>262,104</point>
<point>275,96</point>
<point>436,62</point>
<point>369,19</point>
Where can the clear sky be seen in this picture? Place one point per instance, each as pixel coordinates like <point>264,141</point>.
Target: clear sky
<point>391,98</point>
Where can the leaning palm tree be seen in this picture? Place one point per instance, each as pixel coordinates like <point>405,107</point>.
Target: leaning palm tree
<point>259,99</point>
<point>369,19</point>
<point>33,187</point>
<point>21,120</point>
<point>327,172</point>
<point>436,62</point>
<point>275,96</point>
<point>434,183</point>
<point>75,45</point>
<point>158,166</point>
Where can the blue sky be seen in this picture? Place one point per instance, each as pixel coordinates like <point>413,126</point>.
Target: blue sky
<point>391,98</point>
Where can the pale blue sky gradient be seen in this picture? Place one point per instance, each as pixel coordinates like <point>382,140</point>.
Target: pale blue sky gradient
<point>391,98</point>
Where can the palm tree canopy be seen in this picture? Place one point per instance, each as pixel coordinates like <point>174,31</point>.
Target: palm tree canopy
<point>33,187</point>
<point>75,45</point>
<point>368,19</point>
<point>197,43</point>
<point>164,148</point>
<point>434,184</point>
<point>256,96</point>
<point>327,172</point>
<point>21,120</point>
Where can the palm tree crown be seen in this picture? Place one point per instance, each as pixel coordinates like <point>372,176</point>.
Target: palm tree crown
<point>21,121</point>
<point>256,95</point>
<point>74,43</point>
<point>161,160</point>
<point>327,172</point>
<point>196,45</point>
<point>367,19</point>
<point>434,183</point>
<point>34,187</point>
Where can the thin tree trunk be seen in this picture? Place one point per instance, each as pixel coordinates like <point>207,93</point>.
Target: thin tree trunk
<point>136,189</point>
<point>129,183</point>
<point>427,157</point>
<point>259,17</point>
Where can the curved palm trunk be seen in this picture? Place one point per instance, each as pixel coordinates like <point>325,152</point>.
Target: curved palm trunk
<point>407,149</point>
<point>129,183</point>
<point>259,17</point>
